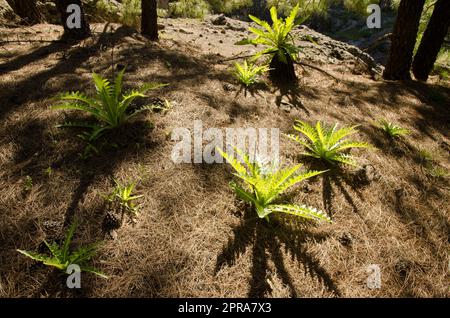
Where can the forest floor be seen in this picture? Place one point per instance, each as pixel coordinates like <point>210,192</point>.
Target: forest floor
<point>192,238</point>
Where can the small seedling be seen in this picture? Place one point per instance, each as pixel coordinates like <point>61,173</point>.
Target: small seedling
<point>28,183</point>
<point>327,143</point>
<point>248,74</point>
<point>393,130</point>
<point>124,195</point>
<point>61,256</point>
<point>437,171</point>
<point>425,155</point>
<point>49,171</point>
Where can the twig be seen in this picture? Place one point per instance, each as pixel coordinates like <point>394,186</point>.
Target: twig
<point>378,41</point>
<point>236,58</point>
<point>31,41</point>
<point>318,69</point>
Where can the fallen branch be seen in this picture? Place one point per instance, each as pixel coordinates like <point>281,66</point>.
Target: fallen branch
<point>236,58</point>
<point>377,42</point>
<point>299,63</point>
<point>31,41</point>
<point>318,69</point>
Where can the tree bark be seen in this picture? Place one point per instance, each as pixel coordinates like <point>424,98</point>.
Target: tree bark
<point>73,33</point>
<point>26,10</point>
<point>149,20</point>
<point>403,40</point>
<point>432,40</point>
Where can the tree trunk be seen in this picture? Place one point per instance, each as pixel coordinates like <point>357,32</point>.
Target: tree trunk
<point>70,32</point>
<point>281,72</point>
<point>26,10</point>
<point>432,40</point>
<point>403,40</point>
<point>149,20</point>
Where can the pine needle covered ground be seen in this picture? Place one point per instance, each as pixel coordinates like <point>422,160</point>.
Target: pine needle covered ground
<point>191,237</point>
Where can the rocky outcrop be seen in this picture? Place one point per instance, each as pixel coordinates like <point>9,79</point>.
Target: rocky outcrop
<point>323,49</point>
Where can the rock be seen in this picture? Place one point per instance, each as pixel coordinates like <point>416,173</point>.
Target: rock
<point>184,31</point>
<point>235,27</point>
<point>337,53</point>
<point>318,46</point>
<point>286,107</point>
<point>112,235</point>
<point>367,174</point>
<point>219,20</point>
<point>346,239</point>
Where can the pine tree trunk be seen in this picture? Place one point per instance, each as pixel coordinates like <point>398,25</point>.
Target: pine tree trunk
<point>73,33</point>
<point>149,20</point>
<point>403,40</point>
<point>26,10</point>
<point>432,40</point>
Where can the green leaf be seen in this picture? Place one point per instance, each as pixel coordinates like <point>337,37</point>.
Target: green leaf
<point>35,256</point>
<point>244,195</point>
<point>244,42</point>
<point>92,270</point>
<point>300,211</point>
<point>327,143</point>
<point>265,182</point>
<point>68,240</point>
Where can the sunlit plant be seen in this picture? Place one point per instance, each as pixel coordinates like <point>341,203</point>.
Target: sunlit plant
<point>110,107</point>
<point>248,74</point>
<point>264,183</point>
<point>393,130</point>
<point>61,257</point>
<point>327,143</point>
<point>280,47</point>
<point>124,195</point>
<point>28,185</point>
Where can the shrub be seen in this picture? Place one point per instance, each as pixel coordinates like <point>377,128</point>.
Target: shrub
<point>392,130</point>
<point>265,183</point>
<point>327,143</point>
<point>61,256</point>
<point>188,9</point>
<point>130,13</point>
<point>248,74</point>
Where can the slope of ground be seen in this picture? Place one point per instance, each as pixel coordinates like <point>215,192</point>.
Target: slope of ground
<point>192,238</point>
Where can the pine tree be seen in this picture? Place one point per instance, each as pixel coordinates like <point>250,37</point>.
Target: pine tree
<point>432,40</point>
<point>403,40</point>
<point>26,10</point>
<point>149,20</point>
<point>73,33</point>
